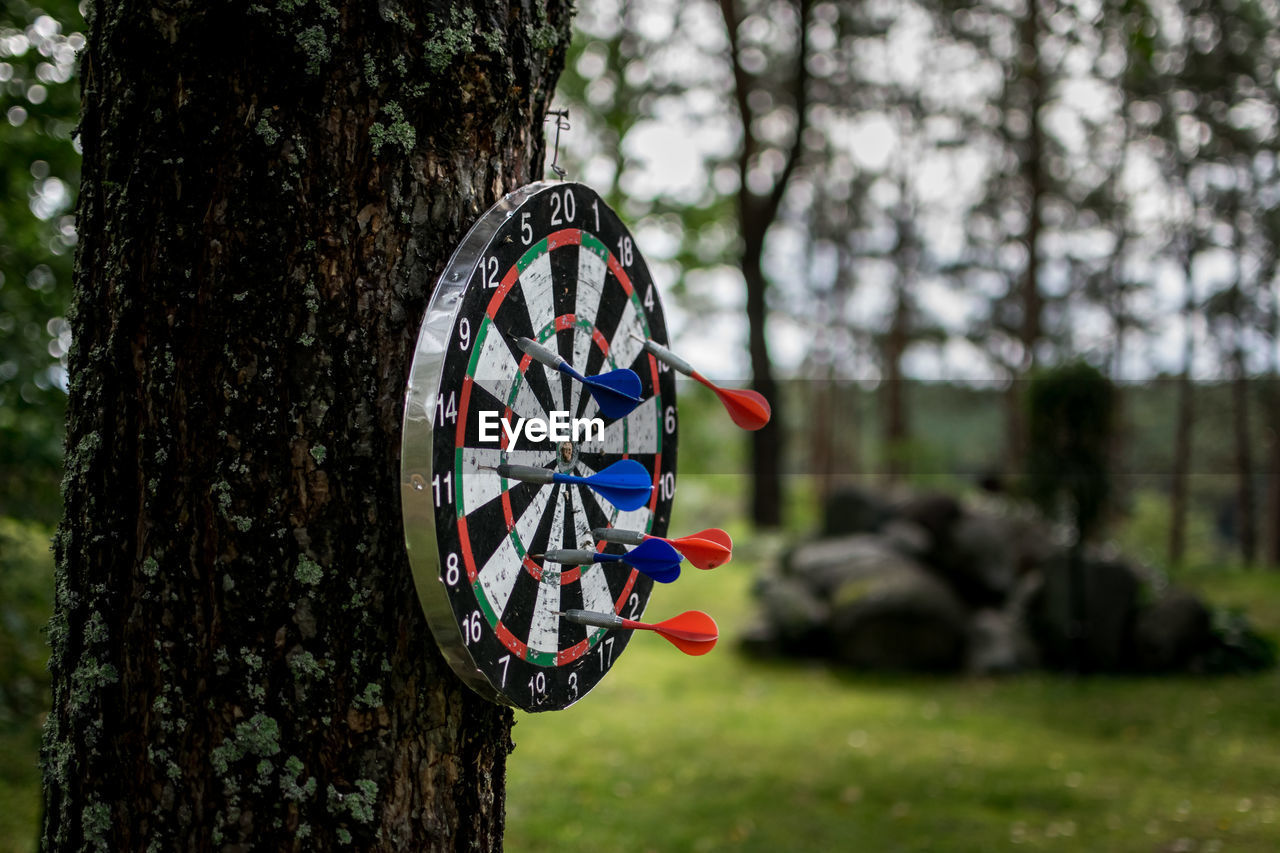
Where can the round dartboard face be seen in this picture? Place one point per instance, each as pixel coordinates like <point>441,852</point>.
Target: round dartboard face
<point>552,264</point>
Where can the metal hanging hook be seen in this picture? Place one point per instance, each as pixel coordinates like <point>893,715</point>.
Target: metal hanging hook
<point>562,123</point>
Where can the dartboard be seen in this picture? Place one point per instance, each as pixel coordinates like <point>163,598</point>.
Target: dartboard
<point>549,266</point>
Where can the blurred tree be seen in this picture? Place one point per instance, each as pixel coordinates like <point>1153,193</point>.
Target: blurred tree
<point>39,169</point>
<point>763,84</point>
<point>1231,65</point>
<point>1068,460</point>
<point>239,659</point>
<point>1038,169</point>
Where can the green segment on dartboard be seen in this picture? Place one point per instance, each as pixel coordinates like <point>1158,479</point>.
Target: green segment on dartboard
<point>592,244</point>
<point>530,255</point>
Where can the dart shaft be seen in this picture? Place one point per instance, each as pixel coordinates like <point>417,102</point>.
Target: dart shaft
<point>596,620</point>
<point>622,537</point>
<point>540,354</point>
<point>570,557</point>
<point>665,355</point>
<point>526,473</point>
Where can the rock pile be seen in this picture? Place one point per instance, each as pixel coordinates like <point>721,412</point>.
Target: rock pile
<point>928,584</point>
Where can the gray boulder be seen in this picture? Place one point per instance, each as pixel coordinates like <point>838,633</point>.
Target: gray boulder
<point>1108,595</point>
<point>853,510</point>
<point>1172,633</point>
<point>796,619</point>
<point>827,564</point>
<point>900,618</point>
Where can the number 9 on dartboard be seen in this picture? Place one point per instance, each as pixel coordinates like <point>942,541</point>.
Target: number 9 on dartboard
<point>515,405</point>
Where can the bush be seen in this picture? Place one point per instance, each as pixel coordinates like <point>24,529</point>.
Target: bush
<point>26,601</point>
<point>1069,446</point>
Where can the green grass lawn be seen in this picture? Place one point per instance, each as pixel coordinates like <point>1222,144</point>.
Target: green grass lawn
<point>672,753</point>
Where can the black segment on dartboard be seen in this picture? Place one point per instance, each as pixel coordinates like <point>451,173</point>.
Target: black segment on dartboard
<point>486,518</point>
<point>571,594</point>
<point>564,284</point>
<point>613,304</point>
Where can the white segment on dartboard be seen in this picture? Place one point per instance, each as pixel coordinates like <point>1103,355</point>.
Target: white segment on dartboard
<point>581,523</point>
<point>536,285</point>
<point>625,346</point>
<point>595,589</point>
<point>636,519</point>
<point>497,369</point>
<point>479,486</point>
<point>498,575</point>
<point>526,403</point>
<point>591,272</point>
<point>639,433</point>
<point>544,631</point>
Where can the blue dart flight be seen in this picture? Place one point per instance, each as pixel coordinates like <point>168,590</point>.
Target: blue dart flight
<point>654,558</point>
<point>616,392</point>
<point>625,484</point>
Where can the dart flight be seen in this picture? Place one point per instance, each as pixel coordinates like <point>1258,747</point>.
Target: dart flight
<point>748,409</point>
<point>625,484</point>
<point>705,549</point>
<point>654,558</point>
<point>616,392</point>
<point>692,632</point>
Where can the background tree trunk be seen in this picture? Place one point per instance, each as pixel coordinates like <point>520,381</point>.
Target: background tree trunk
<point>238,655</point>
<point>1245,511</point>
<point>1180,487</point>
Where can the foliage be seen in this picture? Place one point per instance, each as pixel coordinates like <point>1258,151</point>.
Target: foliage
<point>26,600</point>
<point>39,173</point>
<point>1069,427</point>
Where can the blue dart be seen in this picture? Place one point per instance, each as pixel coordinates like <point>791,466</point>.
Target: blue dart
<point>654,558</point>
<point>616,392</point>
<point>625,484</point>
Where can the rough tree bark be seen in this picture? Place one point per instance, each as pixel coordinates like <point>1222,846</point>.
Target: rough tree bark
<point>238,656</point>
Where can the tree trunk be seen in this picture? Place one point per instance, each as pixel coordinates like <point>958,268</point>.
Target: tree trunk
<point>1034,176</point>
<point>1034,181</point>
<point>766,442</point>
<point>238,655</point>
<point>895,410</point>
<point>1273,474</point>
<point>1179,488</point>
<point>1248,528</point>
<point>756,214</point>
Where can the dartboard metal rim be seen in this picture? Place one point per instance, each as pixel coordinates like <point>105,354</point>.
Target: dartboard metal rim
<point>418,437</point>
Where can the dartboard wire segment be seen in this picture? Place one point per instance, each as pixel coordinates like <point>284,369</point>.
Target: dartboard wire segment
<point>552,265</point>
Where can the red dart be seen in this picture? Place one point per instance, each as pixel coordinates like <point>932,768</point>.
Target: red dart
<point>705,549</point>
<point>748,409</point>
<point>692,632</point>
